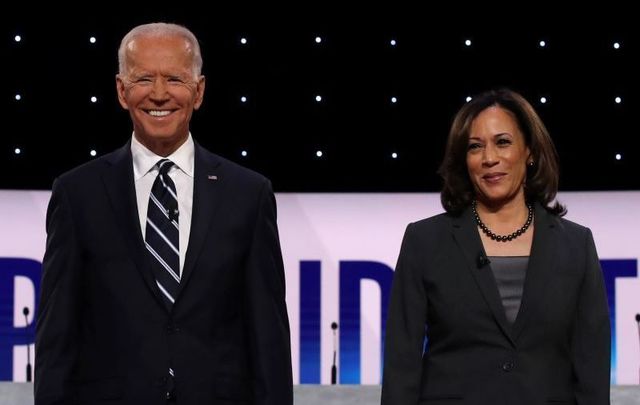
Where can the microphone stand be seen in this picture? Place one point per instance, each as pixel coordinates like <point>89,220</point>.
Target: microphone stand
<point>638,322</point>
<point>25,312</point>
<point>334,369</point>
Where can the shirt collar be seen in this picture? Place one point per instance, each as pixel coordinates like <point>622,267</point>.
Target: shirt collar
<point>144,160</point>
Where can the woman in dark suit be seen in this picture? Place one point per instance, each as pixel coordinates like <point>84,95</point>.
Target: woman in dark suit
<point>499,300</point>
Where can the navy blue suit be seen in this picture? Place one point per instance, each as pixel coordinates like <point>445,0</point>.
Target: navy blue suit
<point>103,332</point>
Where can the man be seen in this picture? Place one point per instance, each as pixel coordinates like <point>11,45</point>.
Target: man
<point>162,278</point>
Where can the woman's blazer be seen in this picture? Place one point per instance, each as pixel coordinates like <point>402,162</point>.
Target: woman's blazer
<point>448,340</point>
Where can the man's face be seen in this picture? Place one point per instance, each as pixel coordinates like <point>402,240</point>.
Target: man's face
<point>160,90</point>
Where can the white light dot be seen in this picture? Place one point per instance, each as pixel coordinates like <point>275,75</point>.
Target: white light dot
<point>244,153</point>
<point>469,98</point>
<point>618,100</point>
<point>92,40</point>
<point>94,99</point>
<point>318,98</point>
<point>393,42</point>
<point>394,155</point>
<point>618,156</point>
<point>394,100</point>
<point>319,153</point>
<point>542,44</point>
<point>18,97</point>
<point>17,151</point>
<point>17,38</point>
<point>543,100</point>
<point>243,41</point>
<point>616,45</point>
<point>93,152</point>
<point>243,99</point>
<point>467,42</point>
<point>318,40</point>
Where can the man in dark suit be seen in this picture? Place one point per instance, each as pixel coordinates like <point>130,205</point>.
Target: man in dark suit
<point>162,278</point>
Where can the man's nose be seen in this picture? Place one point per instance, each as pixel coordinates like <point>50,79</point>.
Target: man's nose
<point>159,91</point>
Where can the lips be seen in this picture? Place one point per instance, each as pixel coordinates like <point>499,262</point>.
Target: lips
<point>493,177</point>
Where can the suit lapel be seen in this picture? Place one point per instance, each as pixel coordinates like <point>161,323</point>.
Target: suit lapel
<point>468,239</point>
<point>540,269</point>
<point>207,187</point>
<point>118,180</point>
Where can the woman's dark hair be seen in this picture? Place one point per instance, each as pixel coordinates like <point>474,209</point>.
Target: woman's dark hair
<point>541,183</point>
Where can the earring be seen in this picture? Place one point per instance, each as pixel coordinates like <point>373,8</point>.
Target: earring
<point>530,163</point>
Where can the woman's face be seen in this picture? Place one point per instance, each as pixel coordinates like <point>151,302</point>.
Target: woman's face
<point>497,156</point>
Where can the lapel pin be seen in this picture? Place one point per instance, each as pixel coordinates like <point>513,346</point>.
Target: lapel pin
<point>212,177</point>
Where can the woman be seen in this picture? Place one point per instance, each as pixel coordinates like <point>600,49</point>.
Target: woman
<point>499,300</point>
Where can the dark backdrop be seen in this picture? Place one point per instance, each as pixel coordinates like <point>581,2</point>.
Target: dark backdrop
<point>56,70</point>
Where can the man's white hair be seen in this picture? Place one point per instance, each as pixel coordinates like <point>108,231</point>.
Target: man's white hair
<point>160,30</point>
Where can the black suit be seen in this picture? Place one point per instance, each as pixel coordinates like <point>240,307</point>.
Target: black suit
<point>103,332</point>
<point>557,350</point>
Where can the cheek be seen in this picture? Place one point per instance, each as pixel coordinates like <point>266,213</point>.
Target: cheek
<point>473,165</point>
<point>520,172</point>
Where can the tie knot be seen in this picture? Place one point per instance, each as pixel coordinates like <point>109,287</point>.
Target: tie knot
<point>164,165</point>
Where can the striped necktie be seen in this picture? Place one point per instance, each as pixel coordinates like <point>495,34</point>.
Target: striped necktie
<point>161,235</point>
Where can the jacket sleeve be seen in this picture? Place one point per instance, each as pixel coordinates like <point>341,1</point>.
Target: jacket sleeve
<point>58,315</point>
<point>405,331</point>
<point>269,335</point>
<point>591,339</point>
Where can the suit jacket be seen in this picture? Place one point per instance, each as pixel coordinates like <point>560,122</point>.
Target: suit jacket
<point>556,351</point>
<point>103,333</point>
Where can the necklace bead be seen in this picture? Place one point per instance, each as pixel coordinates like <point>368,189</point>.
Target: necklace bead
<point>502,238</point>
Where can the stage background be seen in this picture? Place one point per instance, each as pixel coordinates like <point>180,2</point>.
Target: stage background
<point>389,78</point>
<point>339,252</point>
<point>346,110</point>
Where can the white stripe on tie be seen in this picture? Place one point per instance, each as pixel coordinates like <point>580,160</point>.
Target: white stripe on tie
<point>162,262</point>
<point>159,232</point>
<point>165,292</point>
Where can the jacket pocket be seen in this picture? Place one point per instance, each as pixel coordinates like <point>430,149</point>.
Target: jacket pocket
<point>439,401</point>
<point>108,388</point>
<point>232,388</point>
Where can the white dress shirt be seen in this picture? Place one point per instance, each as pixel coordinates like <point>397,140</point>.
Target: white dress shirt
<point>145,173</point>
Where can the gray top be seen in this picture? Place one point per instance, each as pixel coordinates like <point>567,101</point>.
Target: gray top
<point>509,273</point>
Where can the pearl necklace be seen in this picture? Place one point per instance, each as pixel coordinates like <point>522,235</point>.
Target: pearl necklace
<point>502,238</point>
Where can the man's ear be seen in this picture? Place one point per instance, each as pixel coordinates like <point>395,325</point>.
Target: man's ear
<point>120,89</point>
<point>199,93</point>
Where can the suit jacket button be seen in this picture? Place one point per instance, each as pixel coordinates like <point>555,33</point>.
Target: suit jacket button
<point>507,366</point>
<point>171,328</point>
